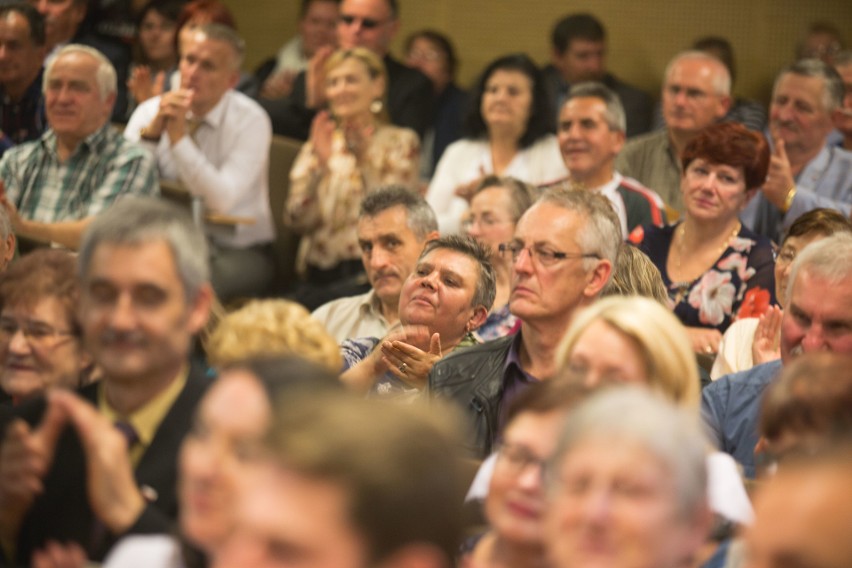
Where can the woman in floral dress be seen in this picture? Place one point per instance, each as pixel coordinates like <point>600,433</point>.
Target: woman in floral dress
<point>714,269</point>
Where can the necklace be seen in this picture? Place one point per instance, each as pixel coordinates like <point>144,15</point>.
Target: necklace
<point>684,285</point>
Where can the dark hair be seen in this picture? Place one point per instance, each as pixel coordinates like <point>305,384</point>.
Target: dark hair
<point>720,48</point>
<point>215,10</point>
<point>43,273</point>
<point>821,221</point>
<point>34,19</point>
<point>815,28</point>
<point>813,395</point>
<point>546,396</point>
<point>731,144</point>
<point>305,4</point>
<point>169,9</point>
<point>576,26</point>
<point>521,194</point>
<point>420,215</point>
<point>486,287</point>
<point>441,42</point>
<point>540,121</point>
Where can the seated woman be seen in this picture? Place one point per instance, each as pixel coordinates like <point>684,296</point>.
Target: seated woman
<point>509,132</point>
<point>495,208</point>
<point>156,54</point>
<point>40,343</point>
<point>352,151</point>
<point>711,264</point>
<point>751,341</point>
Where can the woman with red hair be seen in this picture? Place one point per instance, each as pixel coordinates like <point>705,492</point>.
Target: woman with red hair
<point>714,268</point>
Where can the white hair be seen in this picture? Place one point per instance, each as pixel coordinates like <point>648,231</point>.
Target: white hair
<point>105,75</point>
<point>721,76</point>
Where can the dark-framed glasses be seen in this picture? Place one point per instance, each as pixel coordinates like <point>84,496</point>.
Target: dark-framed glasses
<point>540,253</point>
<point>36,333</point>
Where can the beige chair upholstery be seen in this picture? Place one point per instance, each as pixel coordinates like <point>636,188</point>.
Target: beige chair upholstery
<point>282,154</point>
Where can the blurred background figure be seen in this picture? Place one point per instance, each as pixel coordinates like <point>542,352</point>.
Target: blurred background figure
<point>843,119</point>
<point>432,53</point>
<point>155,56</point>
<point>822,40</point>
<point>351,152</point>
<point>495,208</point>
<point>508,132</point>
<point>317,25</point>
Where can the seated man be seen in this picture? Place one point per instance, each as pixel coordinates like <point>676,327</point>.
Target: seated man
<point>350,483</point>
<point>144,294</point>
<point>22,53</point>
<point>216,141</point>
<point>447,297</point>
<point>55,185</point>
<point>393,226</point>
<point>563,252</point>
<point>818,317</point>
<point>591,134</point>
<point>696,93</point>
<point>805,171</point>
<point>578,54</point>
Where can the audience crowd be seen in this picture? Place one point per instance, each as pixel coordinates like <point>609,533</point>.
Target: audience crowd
<point>537,324</point>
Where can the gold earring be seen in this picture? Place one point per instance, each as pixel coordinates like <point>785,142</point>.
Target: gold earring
<point>376,106</point>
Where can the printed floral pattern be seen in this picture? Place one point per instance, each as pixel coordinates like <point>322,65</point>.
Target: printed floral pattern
<point>740,284</point>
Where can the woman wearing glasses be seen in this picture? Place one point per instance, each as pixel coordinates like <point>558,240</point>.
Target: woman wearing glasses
<point>352,150</point>
<point>40,344</point>
<point>509,132</point>
<point>715,270</point>
<point>495,208</point>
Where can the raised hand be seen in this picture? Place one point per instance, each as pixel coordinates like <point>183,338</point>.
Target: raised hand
<point>767,337</point>
<point>409,363</point>
<point>322,133</point>
<point>779,177</point>
<point>315,77</point>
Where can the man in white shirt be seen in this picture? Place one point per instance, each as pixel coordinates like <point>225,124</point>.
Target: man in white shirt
<point>394,225</point>
<point>215,140</point>
<point>591,130</point>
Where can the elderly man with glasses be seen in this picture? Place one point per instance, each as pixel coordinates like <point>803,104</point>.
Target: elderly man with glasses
<point>563,252</point>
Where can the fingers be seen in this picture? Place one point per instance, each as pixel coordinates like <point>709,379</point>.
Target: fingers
<point>435,344</point>
<point>56,555</point>
<point>159,83</point>
<point>86,420</point>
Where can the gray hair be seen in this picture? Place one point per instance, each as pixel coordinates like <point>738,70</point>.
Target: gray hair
<point>104,76</point>
<point>632,414</point>
<point>614,113</point>
<point>601,234</point>
<point>721,78</point>
<point>140,220</point>
<point>829,259</point>
<point>832,86</point>
<point>486,283</point>
<point>421,217</point>
<point>223,33</point>
<point>521,194</point>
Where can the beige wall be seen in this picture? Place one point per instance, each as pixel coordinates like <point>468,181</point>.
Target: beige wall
<point>643,34</point>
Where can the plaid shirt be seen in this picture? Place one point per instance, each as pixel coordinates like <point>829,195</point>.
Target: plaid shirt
<point>103,168</point>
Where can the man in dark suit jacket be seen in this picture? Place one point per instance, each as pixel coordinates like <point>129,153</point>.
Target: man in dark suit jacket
<point>362,23</point>
<point>144,292</point>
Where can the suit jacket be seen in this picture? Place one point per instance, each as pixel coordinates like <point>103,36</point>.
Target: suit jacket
<point>410,103</point>
<point>63,513</point>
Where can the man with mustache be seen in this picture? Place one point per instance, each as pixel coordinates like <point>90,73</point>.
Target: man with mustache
<point>818,318</point>
<point>144,293</point>
<point>393,226</point>
<point>804,172</point>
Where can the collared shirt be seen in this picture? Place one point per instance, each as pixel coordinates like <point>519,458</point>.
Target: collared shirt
<point>225,162</point>
<point>635,204</point>
<point>354,316</point>
<point>145,420</point>
<point>102,168</point>
<point>515,380</point>
<point>652,160</point>
<point>23,120</point>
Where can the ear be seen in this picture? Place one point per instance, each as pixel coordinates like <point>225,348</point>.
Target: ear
<point>597,279</point>
<point>480,314</point>
<point>378,87</point>
<point>620,138</point>
<point>431,237</point>
<point>838,115</point>
<point>109,103</point>
<point>724,106</point>
<point>9,253</point>
<point>199,310</point>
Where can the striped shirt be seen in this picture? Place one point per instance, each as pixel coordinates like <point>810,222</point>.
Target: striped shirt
<point>103,168</point>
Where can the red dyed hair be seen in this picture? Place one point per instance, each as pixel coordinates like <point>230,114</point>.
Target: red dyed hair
<point>732,144</point>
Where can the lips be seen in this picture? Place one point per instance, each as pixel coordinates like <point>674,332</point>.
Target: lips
<point>423,300</point>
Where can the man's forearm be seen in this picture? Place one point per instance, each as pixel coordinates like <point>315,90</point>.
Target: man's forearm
<point>65,233</point>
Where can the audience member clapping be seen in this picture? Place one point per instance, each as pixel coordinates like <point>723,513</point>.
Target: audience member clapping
<point>156,51</point>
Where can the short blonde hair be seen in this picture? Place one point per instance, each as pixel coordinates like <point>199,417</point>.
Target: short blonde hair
<point>272,327</point>
<point>669,360</point>
<point>635,275</point>
<point>375,68</point>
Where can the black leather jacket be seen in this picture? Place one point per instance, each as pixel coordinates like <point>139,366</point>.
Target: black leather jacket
<point>473,379</point>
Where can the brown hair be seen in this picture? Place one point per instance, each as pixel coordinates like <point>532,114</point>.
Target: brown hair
<point>731,144</point>
<point>822,221</point>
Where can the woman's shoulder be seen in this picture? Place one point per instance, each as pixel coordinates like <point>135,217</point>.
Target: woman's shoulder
<point>391,132</point>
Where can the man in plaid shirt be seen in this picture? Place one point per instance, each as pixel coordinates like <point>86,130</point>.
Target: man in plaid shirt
<point>55,185</point>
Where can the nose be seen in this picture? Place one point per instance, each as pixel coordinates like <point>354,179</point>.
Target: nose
<point>814,339</point>
<point>473,228</point>
<point>123,316</point>
<point>592,379</point>
<point>522,263</point>
<point>429,280</point>
<point>530,477</point>
<point>18,343</point>
<point>378,258</point>
<point>597,504</point>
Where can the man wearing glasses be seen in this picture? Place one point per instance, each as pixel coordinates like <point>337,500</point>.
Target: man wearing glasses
<point>362,23</point>
<point>563,254</point>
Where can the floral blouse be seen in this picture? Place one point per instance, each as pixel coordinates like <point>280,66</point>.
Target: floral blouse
<point>324,202</point>
<point>740,284</point>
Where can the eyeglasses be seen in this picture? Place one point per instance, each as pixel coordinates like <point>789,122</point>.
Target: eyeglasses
<point>786,256</point>
<point>544,256</point>
<point>366,23</point>
<point>515,459</point>
<point>484,221</point>
<point>34,332</point>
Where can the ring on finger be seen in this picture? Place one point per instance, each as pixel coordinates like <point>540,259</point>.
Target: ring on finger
<point>402,367</point>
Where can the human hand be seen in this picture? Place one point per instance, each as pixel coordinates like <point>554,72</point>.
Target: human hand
<point>704,340</point>
<point>779,177</point>
<point>113,493</point>
<point>278,85</point>
<point>466,190</point>
<point>410,363</point>
<point>11,210</point>
<point>174,108</point>
<point>358,137</point>
<point>322,133</point>
<point>56,555</point>
<point>142,86</point>
<point>767,337</point>
<point>315,77</point>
